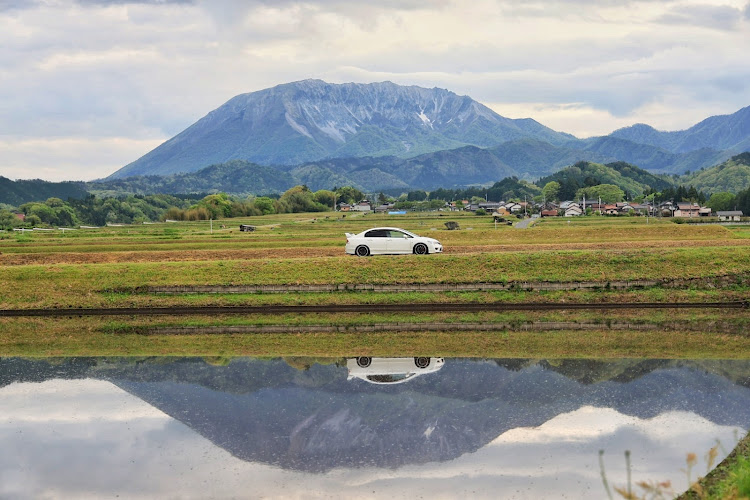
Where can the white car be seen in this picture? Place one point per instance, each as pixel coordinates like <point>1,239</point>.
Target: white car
<point>391,370</point>
<point>390,240</point>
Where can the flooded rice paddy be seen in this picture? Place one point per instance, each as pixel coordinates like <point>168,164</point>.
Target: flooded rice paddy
<point>362,427</point>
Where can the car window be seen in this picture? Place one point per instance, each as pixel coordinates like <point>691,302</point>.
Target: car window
<point>399,234</point>
<point>376,233</point>
<point>384,379</point>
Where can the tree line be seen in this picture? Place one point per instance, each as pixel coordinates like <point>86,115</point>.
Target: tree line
<point>135,209</point>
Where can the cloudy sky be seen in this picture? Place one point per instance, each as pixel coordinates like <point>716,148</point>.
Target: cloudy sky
<point>88,86</point>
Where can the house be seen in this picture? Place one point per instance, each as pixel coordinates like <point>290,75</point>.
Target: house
<point>573,210</point>
<point>643,208</point>
<point>611,209</point>
<point>565,204</point>
<point>513,207</point>
<point>549,213</point>
<point>729,215</point>
<point>21,216</point>
<point>489,206</point>
<point>384,208</point>
<point>344,207</point>
<point>691,210</point>
<point>362,206</point>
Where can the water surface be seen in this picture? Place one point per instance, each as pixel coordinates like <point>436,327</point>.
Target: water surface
<point>306,428</point>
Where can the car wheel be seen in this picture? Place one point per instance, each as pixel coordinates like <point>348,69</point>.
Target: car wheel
<point>420,249</point>
<point>422,362</point>
<point>362,251</point>
<point>364,362</point>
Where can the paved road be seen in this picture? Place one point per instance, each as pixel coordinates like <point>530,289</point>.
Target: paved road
<point>524,224</point>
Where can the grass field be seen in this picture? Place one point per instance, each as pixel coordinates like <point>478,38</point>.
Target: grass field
<point>111,266</point>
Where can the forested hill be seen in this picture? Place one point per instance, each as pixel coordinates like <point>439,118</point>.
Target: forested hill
<point>234,177</point>
<point>23,191</point>
<point>632,180</point>
<point>731,176</point>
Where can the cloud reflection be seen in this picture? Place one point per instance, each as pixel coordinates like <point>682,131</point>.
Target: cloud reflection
<point>90,439</point>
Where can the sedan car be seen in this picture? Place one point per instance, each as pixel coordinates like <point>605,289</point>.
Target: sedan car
<point>391,370</point>
<point>390,240</point>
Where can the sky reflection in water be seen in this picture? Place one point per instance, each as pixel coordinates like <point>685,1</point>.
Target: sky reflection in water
<point>92,428</point>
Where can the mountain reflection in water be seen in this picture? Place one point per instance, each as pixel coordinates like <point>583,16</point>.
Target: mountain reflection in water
<point>483,427</point>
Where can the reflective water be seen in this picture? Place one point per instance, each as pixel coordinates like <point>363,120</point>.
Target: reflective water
<point>306,428</point>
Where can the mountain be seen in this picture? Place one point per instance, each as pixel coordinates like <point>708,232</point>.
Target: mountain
<point>310,120</point>
<point>23,191</point>
<point>316,419</point>
<point>724,132</point>
<point>731,176</point>
<point>383,136</point>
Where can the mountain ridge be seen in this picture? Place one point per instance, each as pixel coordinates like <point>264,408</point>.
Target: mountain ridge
<point>311,120</point>
<point>309,124</point>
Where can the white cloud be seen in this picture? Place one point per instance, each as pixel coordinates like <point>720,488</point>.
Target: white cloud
<point>68,158</point>
<point>108,71</point>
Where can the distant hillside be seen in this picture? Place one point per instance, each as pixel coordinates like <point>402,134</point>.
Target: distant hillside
<point>731,176</point>
<point>236,177</point>
<point>23,191</point>
<point>305,121</point>
<point>631,179</point>
<point>725,132</point>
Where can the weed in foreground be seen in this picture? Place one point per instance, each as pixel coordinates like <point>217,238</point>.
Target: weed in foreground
<point>656,490</point>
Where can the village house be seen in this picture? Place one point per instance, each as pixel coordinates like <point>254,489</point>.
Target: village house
<point>344,207</point>
<point>362,206</point>
<point>549,213</point>
<point>383,208</point>
<point>489,206</point>
<point>643,208</point>
<point>610,209</point>
<point>573,210</point>
<point>691,210</point>
<point>729,215</point>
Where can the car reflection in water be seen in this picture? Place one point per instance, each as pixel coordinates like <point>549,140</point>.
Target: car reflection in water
<point>391,370</point>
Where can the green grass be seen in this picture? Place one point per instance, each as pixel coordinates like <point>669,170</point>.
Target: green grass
<point>730,480</point>
<point>94,337</point>
<point>55,270</point>
<point>63,285</point>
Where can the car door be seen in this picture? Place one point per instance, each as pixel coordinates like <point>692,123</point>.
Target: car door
<point>377,240</point>
<point>399,242</point>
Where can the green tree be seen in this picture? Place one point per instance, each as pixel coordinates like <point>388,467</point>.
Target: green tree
<point>299,199</point>
<point>722,201</point>
<point>9,220</point>
<point>326,197</point>
<point>551,190</point>
<point>218,205</point>
<point>349,195</point>
<point>416,196</point>
<point>609,193</point>
<point>743,201</point>
<point>265,205</point>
